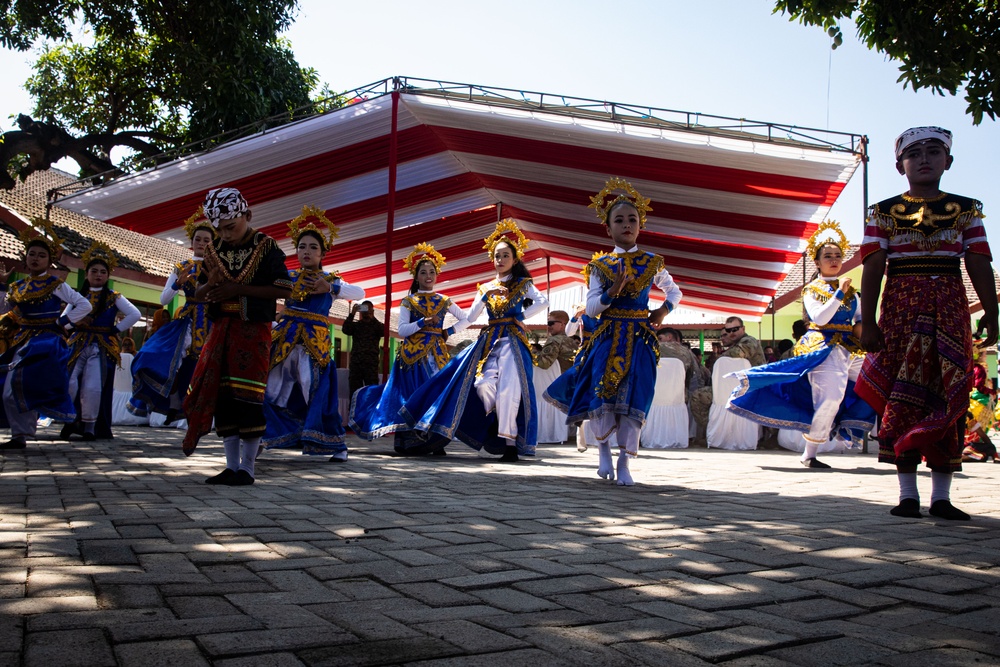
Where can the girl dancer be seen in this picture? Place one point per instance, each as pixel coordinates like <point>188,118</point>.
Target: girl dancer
<point>95,346</point>
<point>423,352</point>
<point>611,384</point>
<point>33,369</point>
<point>813,391</point>
<point>500,416</point>
<point>161,371</point>
<point>300,349</point>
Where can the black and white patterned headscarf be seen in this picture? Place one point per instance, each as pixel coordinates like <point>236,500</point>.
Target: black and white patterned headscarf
<point>224,204</point>
<point>917,135</point>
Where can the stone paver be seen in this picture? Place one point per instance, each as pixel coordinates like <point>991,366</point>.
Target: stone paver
<point>116,553</point>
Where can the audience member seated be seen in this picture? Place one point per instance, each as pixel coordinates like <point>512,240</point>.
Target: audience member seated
<point>739,345</point>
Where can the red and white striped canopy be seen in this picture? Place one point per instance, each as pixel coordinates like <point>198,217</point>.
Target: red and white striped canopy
<point>731,210</point>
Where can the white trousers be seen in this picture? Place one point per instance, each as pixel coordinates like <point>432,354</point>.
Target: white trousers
<point>626,430</point>
<point>295,369</point>
<point>829,384</point>
<point>85,378</point>
<point>499,388</point>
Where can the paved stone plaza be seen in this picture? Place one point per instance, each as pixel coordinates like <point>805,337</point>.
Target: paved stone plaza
<point>117,553</point>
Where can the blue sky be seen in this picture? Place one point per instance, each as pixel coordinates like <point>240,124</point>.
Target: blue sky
<point>723,57</point>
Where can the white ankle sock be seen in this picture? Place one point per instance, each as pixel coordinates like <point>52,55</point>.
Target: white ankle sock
<point>605,467</point>
<point>940,486</point>
<point>908,486</point>
<point>231,443</point>
<point>810,451</point>
<point>624,474</point>
<point>248,454</point>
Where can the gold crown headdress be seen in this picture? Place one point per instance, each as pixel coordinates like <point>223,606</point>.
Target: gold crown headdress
<point>519,241</point>
<point>631,195</point>
<point>197,222</point>
<point>423,251</point>
<point>100,252</point>
<point>45,234</point>
<point>296,228</point>
<point>815,242</point>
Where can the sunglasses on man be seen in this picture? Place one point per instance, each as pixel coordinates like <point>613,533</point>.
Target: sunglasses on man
<point>732,329</point>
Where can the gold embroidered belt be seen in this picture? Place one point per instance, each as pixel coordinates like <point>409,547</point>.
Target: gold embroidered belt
<point>924,266</point>
<point>831,327</point>
<point>498,324</point>
<point>33,322</point>
<point>188,308</point>
<point>97,330</point>
<point>305,316</point>
<point>230,308</point>
<point>626,314</point>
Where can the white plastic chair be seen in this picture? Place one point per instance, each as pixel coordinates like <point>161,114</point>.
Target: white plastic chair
<point>343,394</point>
<point>551,421</point>
<point>585,437</point>
<point>666,424</point>
<point>120,416</point>
<point>793,440</point>
<point>725,429</point>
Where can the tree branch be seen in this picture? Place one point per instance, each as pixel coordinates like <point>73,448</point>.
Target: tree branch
<point>37,146</point>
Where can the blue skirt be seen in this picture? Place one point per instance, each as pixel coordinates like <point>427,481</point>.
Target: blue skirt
<point>447,405</point>
<point>40,378</point>
<point>314,427</point>
<point>575,392</point>
<point>159,366</point>
<point>780,395</point>
<point>375,408</point>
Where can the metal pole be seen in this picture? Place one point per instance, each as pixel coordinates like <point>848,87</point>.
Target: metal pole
<point>548,280</point>
<point>864,174</point>
<point>773,313</point>
<point>864,214</point>
<point>390,218</point>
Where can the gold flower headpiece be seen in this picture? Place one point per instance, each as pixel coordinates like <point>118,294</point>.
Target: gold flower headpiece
<point>816,242</point>
<point>197,222</point>
<point>631,195</point>
<point>100,252</point>
<point>519,241</point>
<point>44,234</point>
<point>423,251</point>
<point>296,228</point>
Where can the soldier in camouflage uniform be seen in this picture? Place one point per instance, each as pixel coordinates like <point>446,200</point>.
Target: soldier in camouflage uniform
<point>739,344</point>
<point>365,334</point>
<point>559,347</point>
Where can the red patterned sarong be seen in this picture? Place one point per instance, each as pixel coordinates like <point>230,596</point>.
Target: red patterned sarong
<point>920,383</point>
<point>229,381</point>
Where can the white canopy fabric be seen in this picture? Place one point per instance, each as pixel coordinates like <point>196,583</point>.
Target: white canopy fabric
<point>731,210</point>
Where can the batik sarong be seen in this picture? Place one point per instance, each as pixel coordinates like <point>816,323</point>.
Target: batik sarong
<point>229,381</point>
<point>920,383</point>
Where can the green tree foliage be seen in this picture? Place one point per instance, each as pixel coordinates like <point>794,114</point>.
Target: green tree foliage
<point>150,75</point>
<point>943,46</point>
